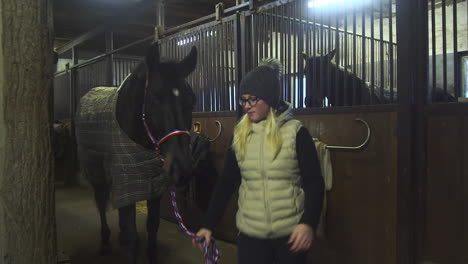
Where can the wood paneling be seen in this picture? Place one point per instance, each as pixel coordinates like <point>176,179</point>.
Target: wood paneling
<point>361,211</point>
<point>446,200</point>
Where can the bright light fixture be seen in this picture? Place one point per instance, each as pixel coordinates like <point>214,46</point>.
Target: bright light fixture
<point>331,3</point>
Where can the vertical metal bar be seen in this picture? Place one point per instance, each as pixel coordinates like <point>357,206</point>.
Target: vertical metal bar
<point>363,59</point>
<point>329,63</point>
<point>295,74</point>
<point>444,47</point>
<point>456,72</point>
<point>353,85</point>
<point>241,55</point>
<point>346,60</point>
<point>260,17</point>
<point>300,61</point>
<point>225,67</point>
<point>283,48</point>
<point>288,61</point>
<point>210,76</point>
<point>434,46</point>
<point>253,35</point>
<point>382,59</point>
<point>372,50</point>
<point>322,64</point>
<point>277,32</point>
<point>338,53</point>
<point>110,58</point>
<point>272,21</point>
<point>390,37</point>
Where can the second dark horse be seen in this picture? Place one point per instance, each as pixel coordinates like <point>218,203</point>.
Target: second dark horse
<point>133,143</point>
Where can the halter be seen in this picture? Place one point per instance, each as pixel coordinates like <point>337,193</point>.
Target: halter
<point>157,143</point>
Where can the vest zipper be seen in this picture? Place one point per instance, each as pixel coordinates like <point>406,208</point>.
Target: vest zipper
<point>265,185</point>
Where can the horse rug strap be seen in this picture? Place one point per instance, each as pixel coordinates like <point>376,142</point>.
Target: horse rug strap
<point>135,173</point>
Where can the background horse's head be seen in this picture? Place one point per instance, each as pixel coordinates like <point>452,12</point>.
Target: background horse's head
<point>315,68</point>
<point>168,105</point>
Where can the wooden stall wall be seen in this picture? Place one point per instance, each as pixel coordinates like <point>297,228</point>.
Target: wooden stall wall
<point>361,210</point>
<point>446,231</point>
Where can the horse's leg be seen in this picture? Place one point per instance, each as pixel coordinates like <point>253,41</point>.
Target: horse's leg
<point>152,225</point>
<point>101,195</point>
<point>127,222</point>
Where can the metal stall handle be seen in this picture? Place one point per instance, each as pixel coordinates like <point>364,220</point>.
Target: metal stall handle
<point>357,147</point>
<point>219,131</point>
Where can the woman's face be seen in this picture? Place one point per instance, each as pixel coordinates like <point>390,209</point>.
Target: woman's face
<point>256,108</point>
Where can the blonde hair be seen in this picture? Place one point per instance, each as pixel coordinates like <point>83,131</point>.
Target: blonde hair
<point>243,130</point>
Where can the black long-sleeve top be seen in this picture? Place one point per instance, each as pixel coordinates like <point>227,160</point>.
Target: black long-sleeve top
<point>311,180</point>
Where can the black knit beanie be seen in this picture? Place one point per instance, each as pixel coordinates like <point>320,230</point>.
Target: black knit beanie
<point>264,82</point>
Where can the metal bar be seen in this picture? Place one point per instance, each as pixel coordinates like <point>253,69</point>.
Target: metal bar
<point>372,50</point>
<point>444,48</point>
<point>288,60</point>
<point>346,60</point>
<point>225,63</point>
<point>329,63</point>
<point>456,72</point>
<point>390,37</point>
<point>321,62</point>
<point>338,53</point>
<point>260,29</point>
<point>277,32</point>
<point>254,23</point>
<point>231,67</point>
<point>354,101</point>
<point>300,61</point>
<point>363,61</point>
<point>283,48</point>
<point>382,82</point>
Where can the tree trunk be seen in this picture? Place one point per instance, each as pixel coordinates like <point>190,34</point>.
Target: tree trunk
<point>27,209</point>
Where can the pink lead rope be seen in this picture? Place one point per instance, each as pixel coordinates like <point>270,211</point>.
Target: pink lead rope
<point>211,256</point>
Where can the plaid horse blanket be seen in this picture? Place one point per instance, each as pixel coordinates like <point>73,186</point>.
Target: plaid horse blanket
<point>134,172</point>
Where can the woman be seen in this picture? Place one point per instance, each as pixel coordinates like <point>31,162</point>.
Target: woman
<point>273,162</point>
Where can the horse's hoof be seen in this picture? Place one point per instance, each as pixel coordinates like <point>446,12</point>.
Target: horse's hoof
<point>105,250</point>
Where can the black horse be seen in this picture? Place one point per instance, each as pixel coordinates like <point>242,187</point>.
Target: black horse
<point>325,79</point>
<point>133,143</point>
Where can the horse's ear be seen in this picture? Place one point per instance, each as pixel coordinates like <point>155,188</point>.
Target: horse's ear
<point>188,64</point>
<point>153,56</point>
<point>331,55</point>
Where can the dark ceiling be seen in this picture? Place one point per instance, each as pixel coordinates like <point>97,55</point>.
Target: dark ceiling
<point>136,18</point>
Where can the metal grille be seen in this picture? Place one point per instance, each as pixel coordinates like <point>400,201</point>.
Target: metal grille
<point>448,47</point>
<point>214,79</point>
<point>90,76</point>
<point>362,37</point>
<point>122,67</point>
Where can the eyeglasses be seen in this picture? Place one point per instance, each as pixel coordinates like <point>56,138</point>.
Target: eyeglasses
<point>252,100</point>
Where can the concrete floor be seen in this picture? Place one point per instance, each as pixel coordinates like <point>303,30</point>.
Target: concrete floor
<point>78,234</point>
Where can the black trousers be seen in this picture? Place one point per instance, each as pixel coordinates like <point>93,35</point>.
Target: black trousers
<point>267,251</point>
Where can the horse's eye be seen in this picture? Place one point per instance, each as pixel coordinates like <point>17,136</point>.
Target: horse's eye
<point>175,91</point>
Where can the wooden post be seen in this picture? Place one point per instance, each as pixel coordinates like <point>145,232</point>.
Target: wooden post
<point>27,208</point>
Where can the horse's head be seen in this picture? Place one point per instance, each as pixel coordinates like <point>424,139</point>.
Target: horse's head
<point>316,68</point>
<point>168,106</point>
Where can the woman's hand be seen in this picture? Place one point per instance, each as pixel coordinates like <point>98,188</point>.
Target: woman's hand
<point>206,234</point>
<point>301,238</point>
